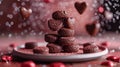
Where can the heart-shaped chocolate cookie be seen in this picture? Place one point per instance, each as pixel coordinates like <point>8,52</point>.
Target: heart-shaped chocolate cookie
<point>25,12</point>
<point>54,25</point>
<point>59,15</point>
<point>80,7</point>
<point>93,28</point>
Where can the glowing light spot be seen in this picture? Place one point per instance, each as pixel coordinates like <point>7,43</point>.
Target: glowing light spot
<point>101,9</point>
<point>108,15</point>
<point>48,1</point>
<point>1,13</point>
<point>10,16</point>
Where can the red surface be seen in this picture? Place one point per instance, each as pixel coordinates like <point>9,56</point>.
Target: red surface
<point>113,40</point>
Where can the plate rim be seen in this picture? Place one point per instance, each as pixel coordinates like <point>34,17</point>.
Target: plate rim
<point>66,58</point>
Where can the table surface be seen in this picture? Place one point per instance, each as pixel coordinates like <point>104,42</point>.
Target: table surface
<point>112,39</point>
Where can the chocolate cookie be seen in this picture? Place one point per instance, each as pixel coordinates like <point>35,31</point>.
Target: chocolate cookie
<point>66,32</point>
<point>41,50</point>
<point>51,38</point>
<point>59,15</point>
<point>66,41</point>
<point>54,48</point>
<point>88,43</point>
<point>30,45</point>
<point>69,22</point>
<point>54,25</point>
<point>90,49</point>
<point>71,48</point>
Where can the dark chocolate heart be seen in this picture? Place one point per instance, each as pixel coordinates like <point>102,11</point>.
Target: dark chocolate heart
<point>80,7</point>
<point>25,12</point>
<point>93,28</point>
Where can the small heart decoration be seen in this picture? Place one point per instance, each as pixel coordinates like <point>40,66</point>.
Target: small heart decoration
<point>25,12</point>
<point>93,28</point>
<point>80,7</point>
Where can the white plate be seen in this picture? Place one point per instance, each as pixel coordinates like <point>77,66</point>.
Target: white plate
<point>54,58</point>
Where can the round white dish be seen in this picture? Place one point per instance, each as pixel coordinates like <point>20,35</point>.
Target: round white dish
<point>54,58</point>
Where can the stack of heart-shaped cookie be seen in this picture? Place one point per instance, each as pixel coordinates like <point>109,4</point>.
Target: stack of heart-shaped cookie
<point>64,40</point>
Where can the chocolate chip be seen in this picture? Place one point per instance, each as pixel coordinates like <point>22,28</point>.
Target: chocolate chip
<point>25,12</point>
<point>55,25</point>
<point>59,15</point>
<point>51,38</point>
<point>65,32</point>
<point>93,28</point>
<point>54,48</point>
<point>80,7</point>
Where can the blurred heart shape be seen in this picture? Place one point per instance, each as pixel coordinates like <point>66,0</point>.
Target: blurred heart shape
<point>80,7</point>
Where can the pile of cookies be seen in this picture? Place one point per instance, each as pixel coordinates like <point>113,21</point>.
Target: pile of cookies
<point>63,40</point>
<point>34,48</point>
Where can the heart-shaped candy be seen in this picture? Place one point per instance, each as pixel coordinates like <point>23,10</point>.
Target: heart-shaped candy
<point>80,7</point>
<point>25,12</point>
<point>93,28</point>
